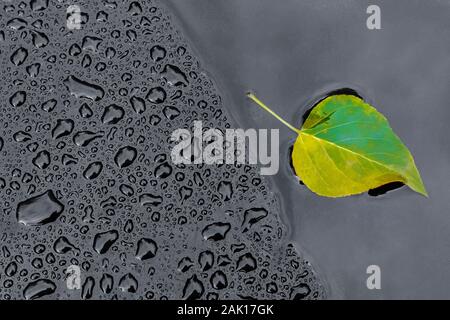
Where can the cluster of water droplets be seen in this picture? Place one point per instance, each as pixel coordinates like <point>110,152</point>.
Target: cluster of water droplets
<point>86,175</point>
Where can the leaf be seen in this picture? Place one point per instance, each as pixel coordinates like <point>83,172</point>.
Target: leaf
<point>347,147</point>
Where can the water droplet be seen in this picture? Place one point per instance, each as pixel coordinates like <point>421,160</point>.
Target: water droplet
<point>185,264</point>
<point>112,114</point>
<point>174,76</point>
<point>171,112</point>
<point>219,280</point>
<point>38,5</point>
<point>87,288</point>
<point>163,170</point>
<point>21,136</point>
<point>216,231</point>
<point>106,283</point>
<point>252,216</point>
<point>38,289</point>
<point>49,105</point>
<point>125,156</point>
<point>40,40</point>
<point>42,159</point>
<point>83,89</point>
<point>63,128</point>
<point>62,245</point>
<point>146,249</point>
<point>128,283</point>
<point>148,199</point>
<point>138,104</point>
<point>246,263</point>
<point>93,170</point>
<point>84,138</point>
<point>157,53</point>
<point>299,292</point>
<point>85,111</point>
<point>17,24</point>
<point>104,240</point>
<point>156,95</point>
<point>206,260</point>
<point>18,98</point>
<point>193,288</point>
<point>19,56</point>
<point>225,189</point>
<point>91,43</point>
<point>42,209</point>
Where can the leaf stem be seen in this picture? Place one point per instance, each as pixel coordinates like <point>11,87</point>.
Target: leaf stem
<point>262,105</point>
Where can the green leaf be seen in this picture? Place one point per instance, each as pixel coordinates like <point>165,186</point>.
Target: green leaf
<point>347,147</point>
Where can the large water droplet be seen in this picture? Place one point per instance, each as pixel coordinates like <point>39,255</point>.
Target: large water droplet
<point>38,5</point>
<point>216,231</point>
<point>148,199</point>
<point>39,210</point>
<point>193,288</point>
<point>63,128</point>
<point>157,53</point>
<point>104,240</point>
<point>128,283</point>
<point>18,98</point>
<point>93,170</point>
<point>42,159</point>
<point>62,245</point>
<point>252,216</point>
<point>156,95</point>
<point>38,289</point>
<point>246,263</point>
<point>174,76</point>
<point>84,138</point>
<point>146,249</point>
<point>125,156</point>
<point>83,89</point>
<point>112,114</point>
<point>19,56</point>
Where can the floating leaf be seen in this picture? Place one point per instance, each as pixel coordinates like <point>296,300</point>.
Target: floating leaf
<point>347,147</point>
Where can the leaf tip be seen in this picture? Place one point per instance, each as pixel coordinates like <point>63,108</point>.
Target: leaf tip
<point>419,188</point>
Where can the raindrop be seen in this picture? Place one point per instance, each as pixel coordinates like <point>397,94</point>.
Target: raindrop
<point>125,156</point>
<point>216,231</point>
<point>156,95</point>
<point>18,98</point>
<point>146,249</point>
<point>252,216</point>
<point>63,128</point>
<point>157,53</point>
<point>42,159</point>
<point>19,56</point>
<point>41,209</point>
<point>104,240</point>
<point>112,114</point>
<point>193,288</point>
<point>93,170</point>
<point>128,283</point>
<point>83,89</point>
<point>38,289</point>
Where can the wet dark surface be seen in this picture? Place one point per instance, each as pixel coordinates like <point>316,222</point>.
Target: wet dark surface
<point>86,177</point>
<point>291,54</point>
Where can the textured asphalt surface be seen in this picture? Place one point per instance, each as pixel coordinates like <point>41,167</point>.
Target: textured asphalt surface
<point>292,52</point>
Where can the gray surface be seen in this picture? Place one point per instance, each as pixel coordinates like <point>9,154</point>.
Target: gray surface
<point>290,52</point>
<point>138,226</point>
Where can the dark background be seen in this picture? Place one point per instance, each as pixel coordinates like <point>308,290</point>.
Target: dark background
<point>290,52</point>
